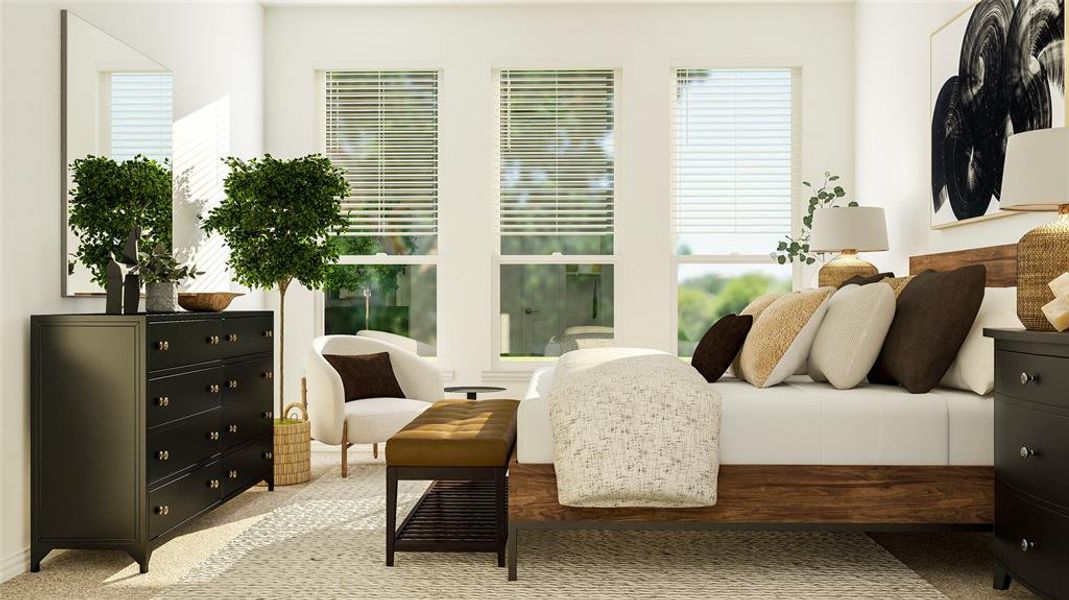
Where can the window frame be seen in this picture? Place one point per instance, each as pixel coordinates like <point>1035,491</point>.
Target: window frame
<point>381,258</point>
<point>518,369</point>
<point>796,207</point>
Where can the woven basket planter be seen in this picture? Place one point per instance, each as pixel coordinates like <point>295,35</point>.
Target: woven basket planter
<point>293,447</point>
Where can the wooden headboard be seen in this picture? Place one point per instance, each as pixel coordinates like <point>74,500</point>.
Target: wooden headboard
<point>1001,263</point>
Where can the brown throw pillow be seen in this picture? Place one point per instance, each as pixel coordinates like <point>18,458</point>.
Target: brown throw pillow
<point>933,316</point>
<point>366,375</point>
<point>720,345</point>
<point>865,279</point>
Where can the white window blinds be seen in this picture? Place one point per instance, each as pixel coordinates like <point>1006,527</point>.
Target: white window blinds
<point>139,115</point>
<point>382,130</point>
<point>733,159</point>
<point>556,171</point>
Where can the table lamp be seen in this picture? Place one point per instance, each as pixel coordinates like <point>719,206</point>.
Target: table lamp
<point>848,230</point>
<point>1036,178</point>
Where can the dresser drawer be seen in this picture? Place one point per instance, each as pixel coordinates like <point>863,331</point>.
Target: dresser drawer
<point>1032,450</point>
<point>183,498</point>
<point>183,443</point>
<point>1032,377</point>
<point>247,335</point>
<point>175,396</point>
<point>1032,542</point>
<point>178,343</point>
<point>247,401</point>
<point>247,465</point>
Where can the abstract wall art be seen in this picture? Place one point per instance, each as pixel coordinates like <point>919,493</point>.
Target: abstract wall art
<point>997,68</point>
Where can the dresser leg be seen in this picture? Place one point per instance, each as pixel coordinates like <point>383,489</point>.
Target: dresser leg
<point>1001,579</point>
<point>271,483</point>
<point>141,556</point>
<point>36,556</point>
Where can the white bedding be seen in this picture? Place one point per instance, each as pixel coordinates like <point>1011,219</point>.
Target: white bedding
<point>802,422</point>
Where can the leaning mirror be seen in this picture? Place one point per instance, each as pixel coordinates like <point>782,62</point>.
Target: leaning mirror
<point>116,144</point>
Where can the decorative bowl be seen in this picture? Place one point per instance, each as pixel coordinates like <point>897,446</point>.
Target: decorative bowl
<point>206,301</point>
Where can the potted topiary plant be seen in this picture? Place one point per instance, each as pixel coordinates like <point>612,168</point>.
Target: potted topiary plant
<point>108,199</point>
<point>792,248</point>
<point>279,218</point>
<point>161,274</point>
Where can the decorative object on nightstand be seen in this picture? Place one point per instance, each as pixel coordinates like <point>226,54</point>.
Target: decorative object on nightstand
<point>1037,179</point>
<point>1031,460</point>
<point>849,230</point>
<point>1057,310</point>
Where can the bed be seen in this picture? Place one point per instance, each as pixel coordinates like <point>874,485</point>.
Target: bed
<point>805,455</point>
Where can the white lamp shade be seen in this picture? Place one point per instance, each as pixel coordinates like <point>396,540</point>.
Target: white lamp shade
<point>1036,173</point>
<point>861,228</point>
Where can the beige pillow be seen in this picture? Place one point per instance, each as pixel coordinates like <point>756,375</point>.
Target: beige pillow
<point>754,309</point>
<point>779,341</point>
<point>851,335</point>
<point>898,283</point>
<point>973,370</point>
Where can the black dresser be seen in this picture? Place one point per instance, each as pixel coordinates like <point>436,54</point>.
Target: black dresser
<point>1032,460</point>
<point>140,423</point>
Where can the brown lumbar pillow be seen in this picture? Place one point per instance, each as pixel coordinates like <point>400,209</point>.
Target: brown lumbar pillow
<point>366,375</point>
<point>720,345</point>
<point>933,316</point>
<point>865,279</point>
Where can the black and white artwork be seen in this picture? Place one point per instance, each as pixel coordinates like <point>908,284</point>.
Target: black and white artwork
<point>997,69</point>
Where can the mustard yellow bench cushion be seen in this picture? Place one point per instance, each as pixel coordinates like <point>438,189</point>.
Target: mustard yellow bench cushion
<point>457,433</point>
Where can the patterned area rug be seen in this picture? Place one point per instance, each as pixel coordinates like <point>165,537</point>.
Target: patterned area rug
<point>328,542</point>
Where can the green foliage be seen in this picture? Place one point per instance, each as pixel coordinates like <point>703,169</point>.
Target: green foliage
<point>793,249</point>
<point>278,218</point>
<point>704,299</point>
<point>156,264</point>
<point>359,277</point>
<point>110,198</point>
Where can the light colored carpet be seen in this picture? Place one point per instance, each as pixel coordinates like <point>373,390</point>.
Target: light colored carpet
<point>326,538</point>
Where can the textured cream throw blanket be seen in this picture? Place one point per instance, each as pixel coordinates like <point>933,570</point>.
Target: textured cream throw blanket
<point>633,428</point>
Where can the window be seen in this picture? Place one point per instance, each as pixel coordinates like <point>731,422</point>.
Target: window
<point>733,173</point>
<point>138,115</point>
<point>555,211</point>
<point>381,128</point>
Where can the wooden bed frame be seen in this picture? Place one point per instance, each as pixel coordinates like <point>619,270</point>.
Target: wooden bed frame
<point>823,497</point>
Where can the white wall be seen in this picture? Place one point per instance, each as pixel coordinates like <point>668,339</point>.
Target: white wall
<point>215,53</point>
<point>468,42</point>
<point>893,134</point>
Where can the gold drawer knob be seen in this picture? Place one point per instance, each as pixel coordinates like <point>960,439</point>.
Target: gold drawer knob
<point>163,509</point>
<point>213,340</point>
<point>232,384</point>
<point>1027,377</point>
<point>231,337</point>
<point>214,388</point>
<point>233,473</point>
<point>269,455</point>
<point>213,435</point>
<point>1027,452</point>
<point>163,345</point>
<point>163,401</point>
<point>268,414</point>
<point>163,455</point>
<point>213,484</point>
<point>267,375</point>
<point>269,334</point>
<point>233,428</point>
<point>1027,545</point>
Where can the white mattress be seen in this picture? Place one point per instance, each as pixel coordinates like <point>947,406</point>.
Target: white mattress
<point>805,423</point>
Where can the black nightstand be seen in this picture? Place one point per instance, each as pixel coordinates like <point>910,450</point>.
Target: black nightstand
<point>1032,460</point>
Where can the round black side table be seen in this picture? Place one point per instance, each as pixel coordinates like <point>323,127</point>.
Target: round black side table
<point>474,390</point>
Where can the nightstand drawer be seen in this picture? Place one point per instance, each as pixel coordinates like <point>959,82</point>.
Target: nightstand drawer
<point>183,498</point>
<point>1032,377</point>
<point>179,343</point>
<point>248,335</point>
<point>175,396</point>
<point>1032,450</point>
<point>184,443</point>
<point>1032,542</point>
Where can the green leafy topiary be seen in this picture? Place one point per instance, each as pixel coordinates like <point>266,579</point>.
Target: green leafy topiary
<point>279,218</point>
<point>110,198</point>
<point>794,249</point>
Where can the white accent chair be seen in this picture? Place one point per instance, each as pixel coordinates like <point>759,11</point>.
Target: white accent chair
<point>371,420</point>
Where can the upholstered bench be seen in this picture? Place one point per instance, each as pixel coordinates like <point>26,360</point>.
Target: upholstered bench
<point>464,446</point>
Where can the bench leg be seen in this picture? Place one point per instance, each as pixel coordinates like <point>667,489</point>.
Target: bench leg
<point>374,450</point>
<point>391,513</point>
<point>513,550</point>
<point>501,514</point>
<point>345,449</point>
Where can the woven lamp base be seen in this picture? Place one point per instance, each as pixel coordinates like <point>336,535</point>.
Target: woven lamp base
<point>1042,255</point>
<point>843,267</point>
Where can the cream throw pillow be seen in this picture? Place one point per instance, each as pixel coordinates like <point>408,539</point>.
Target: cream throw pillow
<point>754,309</point>
<point>852,333</point>
<point>974,368</point>
<point>778,344</point>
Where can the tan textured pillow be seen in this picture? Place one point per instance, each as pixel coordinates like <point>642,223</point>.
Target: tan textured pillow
<point>754,309</point>
<point>852,334</point>
<point>898,283</point>
<point>779,342</point>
